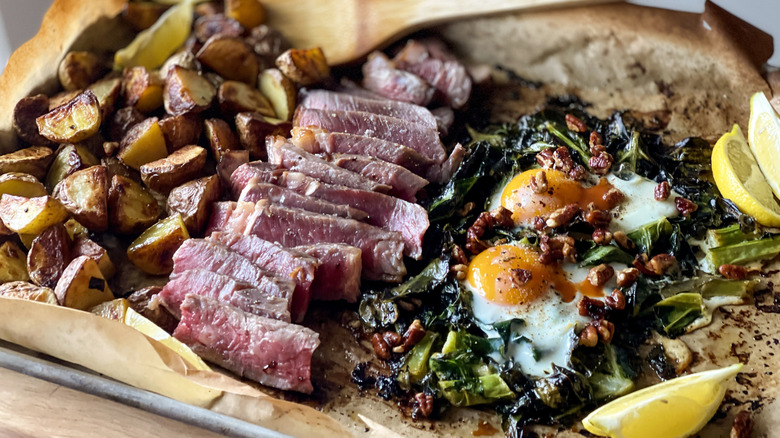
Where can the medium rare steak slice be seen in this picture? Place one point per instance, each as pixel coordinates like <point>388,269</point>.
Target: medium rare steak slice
<point>381,250</point>
<point>421,138</point>
<point>202,254</point>
<point>381,77</point>
<point>443,172</point>
<point>285,262</point>
<point>287,155</point>
<point>435,65</point>
<point>290,198</point>
<point>229,217</point>
<point>405,184</point>
<point>445,117</point>
<point>264,172</point>
<point>317,141</point>
<point>331,100</point>
<point>389,212</point>
<point>338,276</point>
<point>274,353</point>
<point>225,289</point>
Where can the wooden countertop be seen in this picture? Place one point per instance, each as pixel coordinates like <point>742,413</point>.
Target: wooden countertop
<point>34,408</point>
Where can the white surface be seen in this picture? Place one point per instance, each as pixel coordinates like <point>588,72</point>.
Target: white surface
<point>20,19</point>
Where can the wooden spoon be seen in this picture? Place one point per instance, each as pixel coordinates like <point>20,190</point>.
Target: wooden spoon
<point>348,29</point>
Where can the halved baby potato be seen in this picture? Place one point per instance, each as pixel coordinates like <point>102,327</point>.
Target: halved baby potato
<point>181,166</point>
<point>235,97</point>
<point>31,215</point>
<point>304,66</point>
<point>186,91</point>
<point>27,291</point>
<point>221,137</point>
<point>78,70</point>
<point>131,208</point>
<point>253,128</point>
<point>193,200</point>
<point>82,285</point>
<point>152,252</point>
<point>280,91</point>
<point>34,160</point>
<point>75,121</point>
<point>21,184</point>
<point>25,112</point>
<point>70,158</point>
<point>231,58</point>
<point>143,143</point>
<point>49,255</point>
<point>84,246</point>
<point>142,89</point>
<point>13,263</point>
<point>85,195</point>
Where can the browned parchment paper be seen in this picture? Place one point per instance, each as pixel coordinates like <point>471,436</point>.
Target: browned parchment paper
<point>660,65</point>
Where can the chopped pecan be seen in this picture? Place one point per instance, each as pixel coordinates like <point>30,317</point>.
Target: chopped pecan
<point>627,277</point>
<point>392,339</point>
<point>578,173</point>
<point>595,139</point>
<point>590,307</point>
<point>381,348</point>
<point>597,148</point>
<point>662,191</point>
<point>466,209</point>
<point>598,218</point>
<point>545,159</point>
<point>616,300</point>
<point>459,271</point>
<point>424,404</point>
<point>459,255</point>
<point>520,276</point>
<point>589,337</point>
<point>613,197</point>
<point>556,248</point>
<point>733,272</point>
<point>658,265</point>
<point>413,335</point>
<point>599,275</point>
<point>600,163</point>
<point>539,223</point>
<point>486,220</point>
<point>563,215</point>
<point>563,161</point>
<point>623,241</point>
<point>606,331</point>
<point>602,236</point>
<point>685,206</point>
<point>538,182</point>
<point>575,124</point>
<point>570,252</point>
<point>742,426</point>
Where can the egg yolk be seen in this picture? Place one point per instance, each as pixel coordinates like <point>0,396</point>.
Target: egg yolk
<point>525,204</point>
<point>512,275</point>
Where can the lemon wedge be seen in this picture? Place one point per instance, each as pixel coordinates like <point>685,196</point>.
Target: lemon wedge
<point>740,179</point>
<point>764,139</point>
<point>675,408</point>
<point>153,46</point>
<point>143,325</point>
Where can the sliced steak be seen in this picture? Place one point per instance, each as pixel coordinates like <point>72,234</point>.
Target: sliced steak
<point>285,262</point>
<point>255,191</point>
<point>445,117</point>
<point>274,353</point>
<point>286,155</point>
<point>331,100</point>
<point>381,250</point>
<point>264,172</point>
<point>405,184</point>
<point>225,289</point>
<point>421,138</point>
<point>443,172</point>
<point>318,141</point>
<point>432,63</point>
<point>338,276</point>
<point>229,217</point>
<point>382,77</point>
<point>202,254</point>
<point>389,212</point>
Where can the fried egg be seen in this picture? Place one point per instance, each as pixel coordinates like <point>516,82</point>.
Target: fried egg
<point>507,282</point>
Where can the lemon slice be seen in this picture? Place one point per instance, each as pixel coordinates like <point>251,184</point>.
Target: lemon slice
<point>153,46</point>
<point>676,408</point>
<point>143,325</point>
<point>739,178</point>
<point>764,138</point>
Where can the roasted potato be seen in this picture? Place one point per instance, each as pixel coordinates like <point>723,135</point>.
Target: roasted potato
<point>73,122</point>
<point>216,24</point>
<point>85,195</point>
<point>193,200</point>
<point>249,13</point>
<point>235,97</point>
<point>122,121</point>
<point>131,208</point>
<point>31,215</point>
<point>304,66</point>
<point>84,246</point>
<point>49,255</point>
<point>142,15</point>
<point>61,98</point>
<point>267,43</point>
<point>75,229</point>
<point>107,92</point>
<point>221,137</point>
<point>25,112</point>
<point>78,70</point>
<point>280,91</point>
<point>231,58</point>
<point>82,285</point>
<point>152,252</point>
<point>143,143</point>
<point>253,128</point>
<point>229,162</point>
<point>141,89</point>
<point>69,159</point>
<point>27,291</point>
<point>183,165</point>
<point>115,167</point>
<point>179,131</point>
<point>186,91</point>
<point>183,59</point>
<point>21,184</point>
<point>141,302</point>
<point>33,160</point>
<point>13,266</point>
